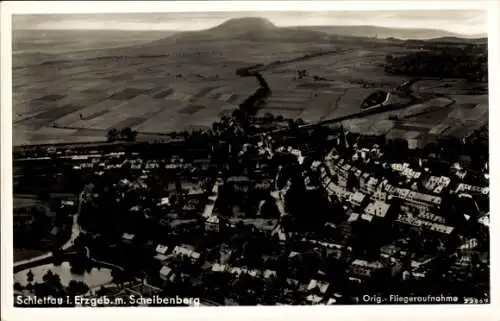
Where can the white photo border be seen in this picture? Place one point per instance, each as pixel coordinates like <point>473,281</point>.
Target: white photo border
<point>410,312</point>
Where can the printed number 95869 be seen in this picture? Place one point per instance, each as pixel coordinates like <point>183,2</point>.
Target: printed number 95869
<point>476,301</point>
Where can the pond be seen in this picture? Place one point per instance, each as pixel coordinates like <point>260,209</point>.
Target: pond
<point>96,277</point>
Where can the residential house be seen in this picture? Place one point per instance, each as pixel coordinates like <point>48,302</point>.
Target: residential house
<point>331,248</point>
<point>212,223</point>
<point>314,299</point>
<point>379,196</point>
<point>377,208</point>
<point>216,267</point>
<point>366,217</point>
<point>320,286</point>
<point>484,220</point>
<point>67,203</point>
<point>267,274</point>
<point>441,228</point>
<point>389,250</point>
<point>353,217</point>
<point>128,238</point>
<point>469,246</point>
<point>292,283</point>
<point>356,199</point>
<point>331,301</point>
<point>236,270</point>
<point>254,273</point>
<point>166,274</point>
<point>161,251</point>
<point>419,223</point>
<point>431,217</point>
<point>405,170</point>
<point>315,165</point>
<point>185,251</point>
<point>395,265</point>
<point>419,263</point>
<point>368,184</point>
<point>54,232</point>
<point>415,199</point>
<point>164,201</point>
<point>437,184</point>
<point>225,254</point>
<point>467,188</point>
<point>364,268</point>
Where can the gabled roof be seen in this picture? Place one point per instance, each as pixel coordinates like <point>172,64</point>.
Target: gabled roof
<point>128,236</point>
<point>218,267</point>
<point>269,273</point>
<point>213,219</point>
<point>165,270</point>
<point>322,286</point>
<point>162,249</point>
<point>313,298</point>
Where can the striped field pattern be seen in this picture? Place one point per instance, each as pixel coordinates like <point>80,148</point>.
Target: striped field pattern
<point>83,99</point>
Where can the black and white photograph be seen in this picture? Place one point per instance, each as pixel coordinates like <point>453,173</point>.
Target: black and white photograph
<point>249,158</point>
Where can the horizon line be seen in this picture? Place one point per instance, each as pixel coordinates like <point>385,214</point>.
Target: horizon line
<point>479,35</point>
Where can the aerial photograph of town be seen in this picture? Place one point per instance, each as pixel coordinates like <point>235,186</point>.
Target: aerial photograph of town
<point>250,158</point>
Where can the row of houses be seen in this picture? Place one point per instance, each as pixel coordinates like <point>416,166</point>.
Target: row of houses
<point>418,222</point>
<point>467,188</point>
<point>369,184</point>
<point>412,198</point>
<point>437,184</point>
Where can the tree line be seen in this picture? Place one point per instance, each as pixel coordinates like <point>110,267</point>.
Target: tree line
<point>443,63</point>
<point>126,134</point>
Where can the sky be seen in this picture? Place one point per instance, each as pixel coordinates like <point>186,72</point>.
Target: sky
<point>462,22</point>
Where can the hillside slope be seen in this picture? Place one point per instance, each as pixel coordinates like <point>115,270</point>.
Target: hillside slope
<point>244,29</point>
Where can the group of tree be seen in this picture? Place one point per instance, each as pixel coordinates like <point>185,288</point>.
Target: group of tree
<point>126,134</point>
<point>51,285</point>
<point>445,63</point>
<point>255,101</point>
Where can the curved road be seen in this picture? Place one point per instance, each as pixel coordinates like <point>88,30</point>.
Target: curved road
<point>75,231</point>
<point>75,228</point>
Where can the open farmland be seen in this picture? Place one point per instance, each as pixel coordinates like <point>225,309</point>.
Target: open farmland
<point>163,86</point>
<point>425,122</point>
<point>150,94</point>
